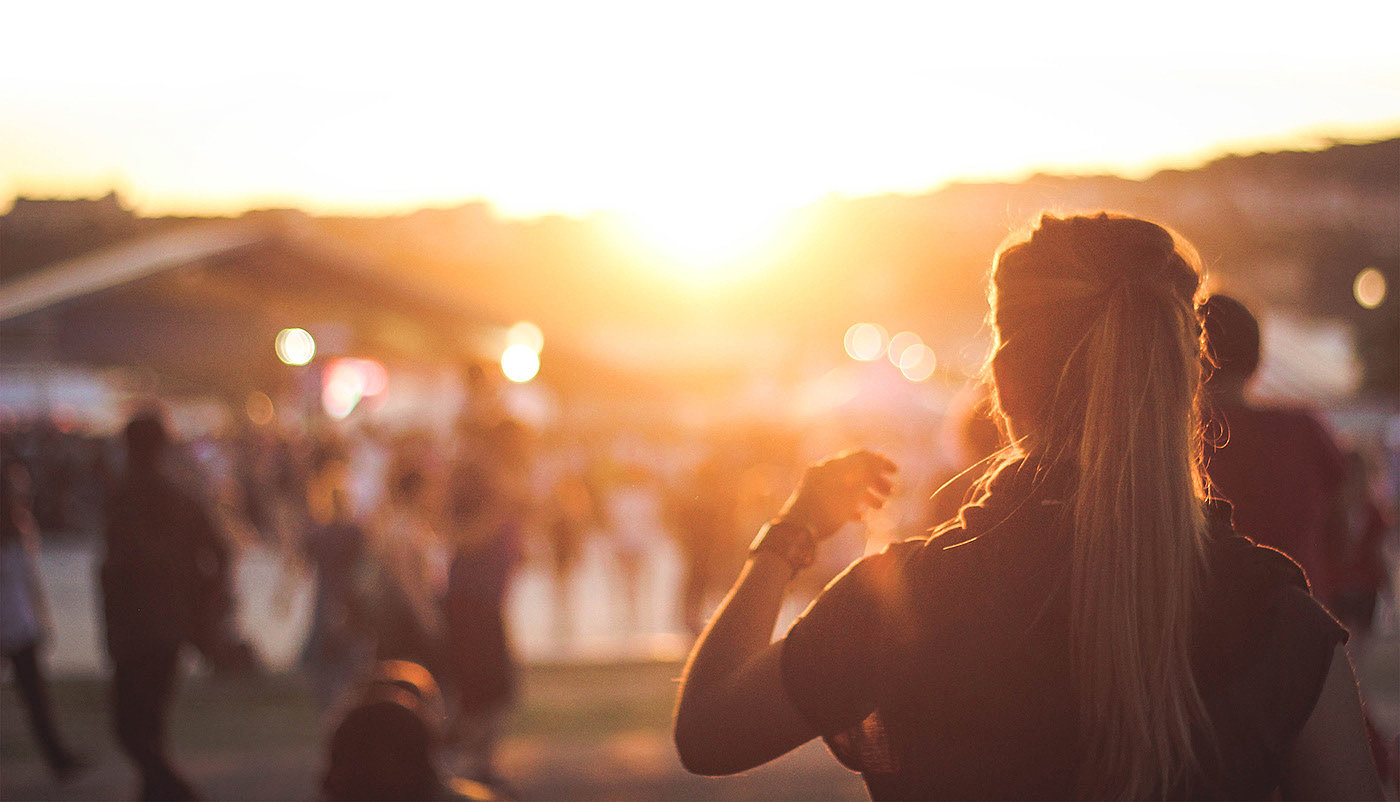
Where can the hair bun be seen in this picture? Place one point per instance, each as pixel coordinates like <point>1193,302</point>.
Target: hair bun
<point>1112,250</point>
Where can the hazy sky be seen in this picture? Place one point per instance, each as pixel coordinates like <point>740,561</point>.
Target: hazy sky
<point>667,111</point>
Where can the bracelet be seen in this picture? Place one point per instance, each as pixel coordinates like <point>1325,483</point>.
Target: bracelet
<point>795,543</point>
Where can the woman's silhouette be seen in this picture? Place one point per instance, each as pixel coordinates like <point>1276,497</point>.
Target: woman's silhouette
<point>1089,627</point>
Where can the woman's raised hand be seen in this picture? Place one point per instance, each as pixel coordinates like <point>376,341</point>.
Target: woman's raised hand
<point>838,490</point>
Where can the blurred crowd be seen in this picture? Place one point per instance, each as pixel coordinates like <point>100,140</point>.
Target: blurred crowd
<point>411,537</point>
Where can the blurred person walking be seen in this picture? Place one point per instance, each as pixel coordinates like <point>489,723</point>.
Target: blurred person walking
<point>634,522</point>
<point>704,516</point>
<point>339,645</point>
<point>411,563</point>
<point>164,581</point>
<point>571,516</point>
<point>24,616</point>
<point>1090,627</point>
<point>489,506</point>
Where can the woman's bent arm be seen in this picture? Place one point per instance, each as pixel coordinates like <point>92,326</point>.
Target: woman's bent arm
<point>733,713</point>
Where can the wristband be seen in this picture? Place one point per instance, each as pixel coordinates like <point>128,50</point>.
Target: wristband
<point>795,543</point>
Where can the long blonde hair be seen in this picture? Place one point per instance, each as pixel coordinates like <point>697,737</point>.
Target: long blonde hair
<point>1096,366</point>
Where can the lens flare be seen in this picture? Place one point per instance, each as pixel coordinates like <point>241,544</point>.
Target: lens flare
<point>347,381</point>
<point>527,334</point>
<point>520,363</point>
<point>294,346</point>
<point>1369,288</point>
<point>918,362</point>
<point>900,343</point>
<point>866,341</point>
<point>258,407</point>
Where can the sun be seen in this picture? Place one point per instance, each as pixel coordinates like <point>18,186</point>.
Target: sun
<point>705,241</point>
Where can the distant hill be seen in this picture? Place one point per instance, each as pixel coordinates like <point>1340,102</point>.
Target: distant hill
<point>1288,230</point>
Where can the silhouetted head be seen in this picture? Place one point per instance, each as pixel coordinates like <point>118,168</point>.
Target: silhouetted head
<point>1232,339</point>
<point>1053,291</point>
<point>146,441</point>
<point>383,747</point>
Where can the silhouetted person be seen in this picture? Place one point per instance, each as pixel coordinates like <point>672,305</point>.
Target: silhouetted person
<point>1278,467</point>
<point>633,512</point>
<point>340,642</point>
<point>411,563</point>
<point>24,616</point>
<point>1360,573</point>
<point>384,747</point>
<point>1090,628</point>
<point>163,581</point>
<point>704,517</point>
<point>571,517</point>
<point>489,506</point>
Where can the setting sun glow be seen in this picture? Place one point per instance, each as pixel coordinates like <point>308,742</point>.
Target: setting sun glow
<point>709,241</point>
<point>700,126</point>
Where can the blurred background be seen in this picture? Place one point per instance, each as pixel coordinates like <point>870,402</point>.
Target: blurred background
<point>671,241</point>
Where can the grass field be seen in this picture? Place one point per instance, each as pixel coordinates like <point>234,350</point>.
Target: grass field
<point>580,732</point>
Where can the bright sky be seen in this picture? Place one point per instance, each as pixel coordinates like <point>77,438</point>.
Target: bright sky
<point>670,112</point>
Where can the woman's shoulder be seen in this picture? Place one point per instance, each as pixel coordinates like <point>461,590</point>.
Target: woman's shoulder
<point>1236,565</point>
<point>1257,602</point>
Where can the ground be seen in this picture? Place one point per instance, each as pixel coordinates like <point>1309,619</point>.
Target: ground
<point>581,732</point>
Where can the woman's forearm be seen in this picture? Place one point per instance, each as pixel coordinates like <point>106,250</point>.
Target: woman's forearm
<point>740,628</point>
<point>732,714</point>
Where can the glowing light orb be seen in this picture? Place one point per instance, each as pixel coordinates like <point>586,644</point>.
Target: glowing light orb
<point>900,343</point>
<point>918,362</point>
<point>866,341</point>
<point>259,408</point>
<point>520,363</point>
<point>345,382</point>
<point>376,377</point>
<point>294,346</point>
<point>527,334</point>
<point>1369,288</point>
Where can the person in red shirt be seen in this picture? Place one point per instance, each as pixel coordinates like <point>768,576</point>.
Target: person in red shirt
<point>1277,466</point>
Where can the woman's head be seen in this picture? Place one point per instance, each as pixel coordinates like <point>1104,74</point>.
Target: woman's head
<point>1097,370</point>
<point>1073,288</point>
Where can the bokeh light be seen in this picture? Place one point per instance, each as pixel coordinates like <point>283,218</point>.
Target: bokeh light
<point>866,341</point>
<point>900,343</point>
<point>376,376</point>
<point>527,334</point>
<point>1369,288</point>
<point>295,346</point>
<point>345,382</point>
<point>520,363</point>
<point>258,407</point>
<point>918,362</point>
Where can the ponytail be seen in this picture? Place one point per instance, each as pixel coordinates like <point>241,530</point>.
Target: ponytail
<point>1097,356</point>
<point>1138,551</point>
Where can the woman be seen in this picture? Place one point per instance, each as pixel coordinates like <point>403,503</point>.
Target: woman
<point>1089,627</point>
<point>24,619</point>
